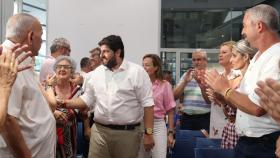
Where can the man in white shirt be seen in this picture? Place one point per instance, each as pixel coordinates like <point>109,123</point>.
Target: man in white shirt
<point>121,92</point>
<point>258,131</point>
<point>60,46</point>
<point>85,65</point>
<point>95,57</point>
<point>29,130</point>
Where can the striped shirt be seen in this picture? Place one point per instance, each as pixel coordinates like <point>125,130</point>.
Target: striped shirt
<point>194,102</point>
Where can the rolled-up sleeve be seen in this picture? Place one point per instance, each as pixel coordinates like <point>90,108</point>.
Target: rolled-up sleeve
<point>144,91</point>
<point>89,94</point>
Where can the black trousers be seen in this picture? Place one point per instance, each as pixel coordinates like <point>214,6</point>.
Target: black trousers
<point>262,147</point>
<point>195,122</point>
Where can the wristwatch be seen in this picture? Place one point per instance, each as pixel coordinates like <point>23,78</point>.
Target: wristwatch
<point>149,131</point>
<point>48,86</point>
<point>170,131</point>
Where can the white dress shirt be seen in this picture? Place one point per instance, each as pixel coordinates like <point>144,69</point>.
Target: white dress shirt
<point>34,116</point>
<point>266,66</point>
<point>119,96</point>
<point>47,68</point>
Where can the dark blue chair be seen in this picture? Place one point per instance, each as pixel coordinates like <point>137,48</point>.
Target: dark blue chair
<point>184,148</point>
<point>185,134</point>
<point>213,153</point>
<point>185,143</point>
<point>208,143</point>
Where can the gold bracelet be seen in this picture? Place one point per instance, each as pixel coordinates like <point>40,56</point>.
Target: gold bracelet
<point>227,93</point>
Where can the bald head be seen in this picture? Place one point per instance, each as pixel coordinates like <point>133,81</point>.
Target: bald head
<point>199,59</point>
<point>25,29</point>
<point>19,25</point>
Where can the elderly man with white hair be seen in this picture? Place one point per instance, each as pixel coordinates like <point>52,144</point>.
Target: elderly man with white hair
<point>196,105</point>
<point>29,130</point>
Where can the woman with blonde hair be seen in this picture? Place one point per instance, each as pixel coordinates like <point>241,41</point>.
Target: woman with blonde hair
<point>217,117</point>
<point>241,55</point>
<point>240,60</point>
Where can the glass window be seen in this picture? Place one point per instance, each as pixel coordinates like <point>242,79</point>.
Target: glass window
<point>37,8</point>
<point>200,29</point>
<point>169,62</point>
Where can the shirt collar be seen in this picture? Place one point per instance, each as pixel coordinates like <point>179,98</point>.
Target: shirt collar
<point>122,67</point>
<point>157,82</point>
<point>8,44</point>
<point>50,57</point>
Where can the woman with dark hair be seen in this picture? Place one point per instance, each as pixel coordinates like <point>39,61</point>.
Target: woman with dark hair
<point>164,105</point>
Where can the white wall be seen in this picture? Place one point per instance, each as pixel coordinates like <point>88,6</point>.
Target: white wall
<point>86,22</point>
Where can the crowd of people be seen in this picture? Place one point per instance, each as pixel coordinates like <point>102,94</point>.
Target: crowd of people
<point>128,110</point>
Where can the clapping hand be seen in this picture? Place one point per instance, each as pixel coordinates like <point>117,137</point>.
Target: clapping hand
<point>189,75</point>
<point>199,76</point>
<point>269,93</point>
<point>216,81</point>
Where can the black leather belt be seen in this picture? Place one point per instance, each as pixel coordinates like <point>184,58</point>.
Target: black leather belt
<point>269,138</point>
<point>197,115</point>
<point>120,127</point>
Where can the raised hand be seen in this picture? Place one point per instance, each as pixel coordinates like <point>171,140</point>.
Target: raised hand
<point>20,55</point>
<point>210,94</point>
<point>8,70</point>
<point>189,75</point>
<point>216,81</point>
<point>199,76</point>
<point>9,64</point>
<point>269,93</point>
<point>51,80</point>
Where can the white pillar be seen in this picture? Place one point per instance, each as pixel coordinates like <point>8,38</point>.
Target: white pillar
<point>6,11</point>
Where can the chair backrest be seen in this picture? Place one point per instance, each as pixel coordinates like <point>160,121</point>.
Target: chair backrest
<point>185,143</point>
<point>184,148</point>
<point>208,143</point>
<point>185,134</point>
<point>213,153</point>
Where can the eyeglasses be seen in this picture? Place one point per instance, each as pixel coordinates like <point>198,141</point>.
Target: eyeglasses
<point>197,59</point>
<point>64,66</point>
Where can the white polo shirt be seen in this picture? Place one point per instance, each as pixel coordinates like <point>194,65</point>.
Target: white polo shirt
<point>36,121</point>
<point>266,66</point>
<point>119,96</point>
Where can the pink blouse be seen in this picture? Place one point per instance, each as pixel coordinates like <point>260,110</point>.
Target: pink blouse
<point>163,98</point>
